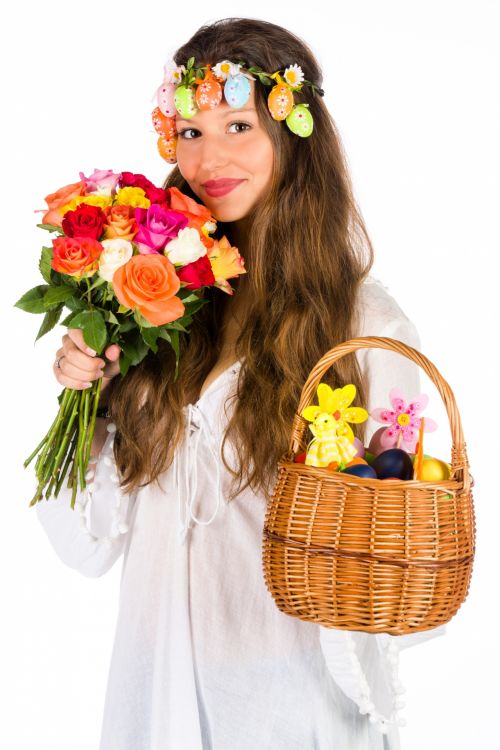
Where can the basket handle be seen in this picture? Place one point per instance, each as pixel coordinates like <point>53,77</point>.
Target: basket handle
<point>459,462</point>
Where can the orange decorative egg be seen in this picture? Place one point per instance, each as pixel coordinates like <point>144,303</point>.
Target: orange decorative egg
<point>356,461</point>
<point>168,149</point>
<point>164,126</point>
<point>208,93</point>
<point>333,466</point>
<point>280,101</point>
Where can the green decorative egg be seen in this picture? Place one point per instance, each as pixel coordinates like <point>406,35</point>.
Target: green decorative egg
<point>185,102</point>
<point>300,120</point>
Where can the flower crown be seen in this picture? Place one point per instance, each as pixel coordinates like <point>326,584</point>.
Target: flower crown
<point>187,89</point>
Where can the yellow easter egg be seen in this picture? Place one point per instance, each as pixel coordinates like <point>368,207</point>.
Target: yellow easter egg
<point>168,149</point>
<point>208,94</point>
<point>434,470</point>
<point>280,101</point>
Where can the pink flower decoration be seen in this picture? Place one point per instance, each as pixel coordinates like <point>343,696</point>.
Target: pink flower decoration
<point>404,420</point>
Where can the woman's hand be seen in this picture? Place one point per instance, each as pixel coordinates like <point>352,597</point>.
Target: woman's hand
<point>78,368</point>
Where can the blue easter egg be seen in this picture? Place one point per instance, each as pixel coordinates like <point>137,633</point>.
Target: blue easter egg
<point>393,463</point>
<point>361,470</point>
<point>237,91</point>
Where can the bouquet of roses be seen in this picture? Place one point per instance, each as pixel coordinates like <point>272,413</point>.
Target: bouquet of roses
<point>129,261</point>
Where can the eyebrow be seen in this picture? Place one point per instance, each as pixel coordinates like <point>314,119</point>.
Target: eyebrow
<point>224,114</point>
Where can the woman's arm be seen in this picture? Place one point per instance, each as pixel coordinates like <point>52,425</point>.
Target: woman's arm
<point>91,537</point>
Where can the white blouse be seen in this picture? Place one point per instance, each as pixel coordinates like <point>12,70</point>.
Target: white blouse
<point>203,659</point>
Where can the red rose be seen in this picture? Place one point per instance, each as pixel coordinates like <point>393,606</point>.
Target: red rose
<point>84,221</point>
<point>198,273</point>
<point>153,193</point>
<point>76,256</point>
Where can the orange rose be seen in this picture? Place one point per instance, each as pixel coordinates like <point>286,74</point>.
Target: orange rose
<point>57,200</point>
<point>76,256</point>
<point>149,282</point>
<point>195,212</point>
<point>120,223</point>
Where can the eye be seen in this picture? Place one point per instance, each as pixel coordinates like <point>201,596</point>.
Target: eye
<point>181,133</point>
<point>245,125</point>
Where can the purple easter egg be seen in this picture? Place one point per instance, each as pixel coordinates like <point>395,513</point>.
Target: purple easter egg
<point>393,463</point>
<point>360,448</point>
<point>375,445</point>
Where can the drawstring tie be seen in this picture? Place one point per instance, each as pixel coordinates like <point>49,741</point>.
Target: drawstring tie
<point>197,422</point>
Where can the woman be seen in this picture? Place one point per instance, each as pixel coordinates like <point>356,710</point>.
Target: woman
<point>203,658</point>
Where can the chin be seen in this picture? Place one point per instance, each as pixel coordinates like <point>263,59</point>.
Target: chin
<point>227,214</point>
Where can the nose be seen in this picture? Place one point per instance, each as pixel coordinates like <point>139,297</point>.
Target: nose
<point>213,154</point>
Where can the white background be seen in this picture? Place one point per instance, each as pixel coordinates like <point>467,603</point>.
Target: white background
<point>414,91</point>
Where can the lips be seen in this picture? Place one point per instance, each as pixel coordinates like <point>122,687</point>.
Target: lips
<point>221,186</point>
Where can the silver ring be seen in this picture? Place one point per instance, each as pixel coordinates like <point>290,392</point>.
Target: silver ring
<point>58,361</point>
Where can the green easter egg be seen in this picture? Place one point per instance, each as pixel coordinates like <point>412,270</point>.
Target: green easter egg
<point>185,102</point>
<point>300,120</point>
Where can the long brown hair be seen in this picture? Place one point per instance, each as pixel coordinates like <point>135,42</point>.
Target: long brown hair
<point>307,252</point>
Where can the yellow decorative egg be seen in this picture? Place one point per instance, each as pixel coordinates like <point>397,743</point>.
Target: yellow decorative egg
<point>208,93</point>
<point>280,101</point>
<point>168,149</point>
<point>434,470</point>
<point>185,102</point>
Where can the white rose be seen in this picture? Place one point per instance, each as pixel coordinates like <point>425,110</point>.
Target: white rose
<point>116,253</point>
<point>185,248</point>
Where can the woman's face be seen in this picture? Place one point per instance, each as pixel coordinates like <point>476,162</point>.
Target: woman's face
<point>225,143</point>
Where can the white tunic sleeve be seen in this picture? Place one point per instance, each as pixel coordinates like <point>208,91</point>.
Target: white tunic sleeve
<point>92,536</point>
<point>365,665</point>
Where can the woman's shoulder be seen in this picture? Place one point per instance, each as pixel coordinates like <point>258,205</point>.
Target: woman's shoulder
<point>380,313</point>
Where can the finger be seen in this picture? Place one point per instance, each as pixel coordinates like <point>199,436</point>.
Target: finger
<point>76,335</point>
<point>75,372</point>
<point>79,358</point>
<point>112,352</point>
<point>68,382</point>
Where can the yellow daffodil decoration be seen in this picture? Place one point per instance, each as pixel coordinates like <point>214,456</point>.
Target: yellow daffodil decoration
<point>333,437</point>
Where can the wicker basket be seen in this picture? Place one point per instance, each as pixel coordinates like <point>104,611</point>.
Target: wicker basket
<point>381,556</point>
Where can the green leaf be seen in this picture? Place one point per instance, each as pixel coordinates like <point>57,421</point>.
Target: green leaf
<point>128,325</point>
<point>94,329</point>
<point>57,294</point>
<point>110,317</point>
<point>123,309</point>
<point>49,321</point>
<point>76,304</point>
<point>141,320</point>
<point>135,348</point>
<point>51,228</point>
<point>150,336</point>
<point>98,282</point>
<point>67,320</point>
<point>32,301</point>
<point>45,264</point>
<point>124,363</point>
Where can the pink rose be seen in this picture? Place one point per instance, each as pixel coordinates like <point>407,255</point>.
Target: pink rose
<point>157,226</point>
<point>102,182</point>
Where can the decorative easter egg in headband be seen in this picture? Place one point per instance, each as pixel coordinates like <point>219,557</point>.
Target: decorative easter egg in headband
<point>188,89</point>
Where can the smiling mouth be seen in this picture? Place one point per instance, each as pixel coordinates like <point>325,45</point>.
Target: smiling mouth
<point>216,188</point>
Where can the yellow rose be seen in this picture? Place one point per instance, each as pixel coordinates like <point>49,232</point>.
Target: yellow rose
<point>132,196</point>
<point>91,200</point>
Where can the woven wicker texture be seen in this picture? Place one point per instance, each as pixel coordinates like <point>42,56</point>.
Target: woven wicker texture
<point>381,556</point>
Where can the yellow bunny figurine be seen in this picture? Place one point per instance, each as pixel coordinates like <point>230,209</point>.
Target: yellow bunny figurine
<point>333,438</point>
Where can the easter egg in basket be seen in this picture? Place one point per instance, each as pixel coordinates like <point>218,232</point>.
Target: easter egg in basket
<point>434,470</point>
<point>395,463</point>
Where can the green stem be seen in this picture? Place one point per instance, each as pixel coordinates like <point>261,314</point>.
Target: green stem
<point>66,399</point>
<point>70,454</point>
<point>90,434</point>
